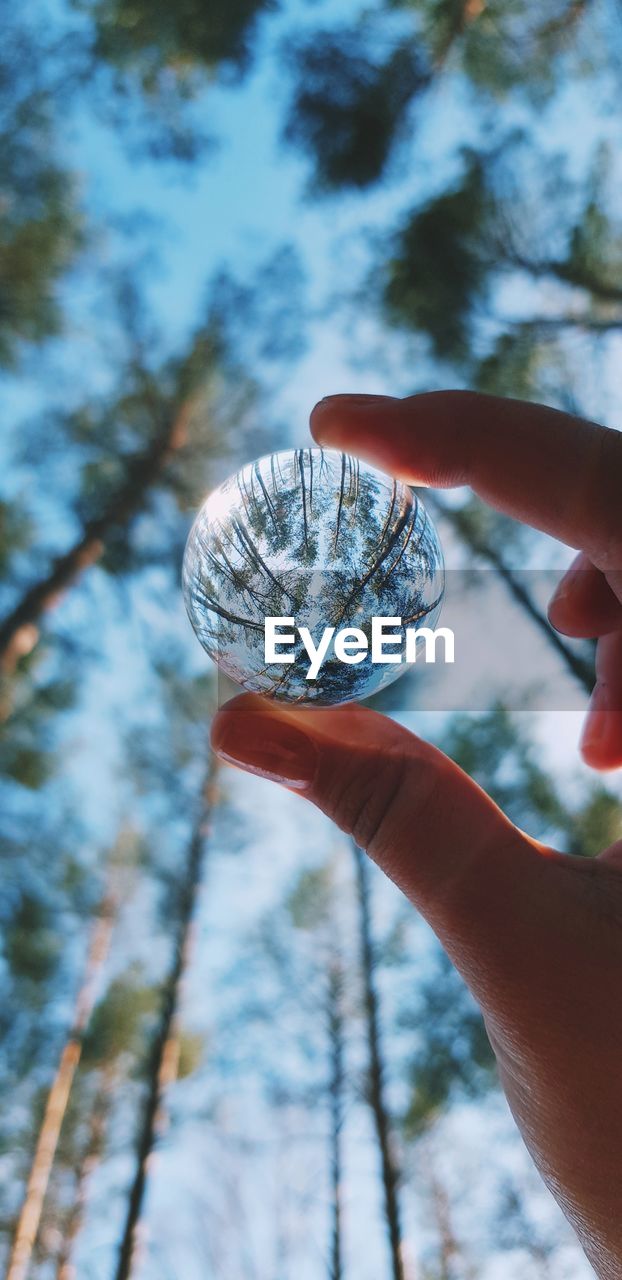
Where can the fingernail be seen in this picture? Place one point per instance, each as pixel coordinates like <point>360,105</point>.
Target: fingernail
<point>567,586</point>
<point>326,422</point>
<point>555,611</point>
<point>600,740</point>
<point>561,593</point>
<point>267,746</point>
<point>594,732</point>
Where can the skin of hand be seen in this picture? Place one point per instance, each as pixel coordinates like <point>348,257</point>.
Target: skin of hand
<point>536,935</point>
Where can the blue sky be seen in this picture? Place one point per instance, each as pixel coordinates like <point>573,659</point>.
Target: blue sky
<point>241,205</point>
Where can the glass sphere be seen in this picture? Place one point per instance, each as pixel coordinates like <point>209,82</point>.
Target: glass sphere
<point>318,538</point>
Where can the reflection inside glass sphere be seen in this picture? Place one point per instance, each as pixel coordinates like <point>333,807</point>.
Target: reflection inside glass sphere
<point>316,537</point>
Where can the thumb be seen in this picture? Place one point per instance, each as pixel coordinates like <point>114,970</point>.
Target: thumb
<point>482,884</point>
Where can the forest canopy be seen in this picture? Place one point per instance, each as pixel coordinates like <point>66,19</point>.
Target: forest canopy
<point>212,214</point>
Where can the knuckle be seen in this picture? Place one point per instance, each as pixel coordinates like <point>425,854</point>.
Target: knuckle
<point>378,800</point>
<point>377,803</point>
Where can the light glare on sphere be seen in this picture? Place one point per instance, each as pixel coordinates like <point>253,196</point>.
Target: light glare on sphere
<point>316,536</point>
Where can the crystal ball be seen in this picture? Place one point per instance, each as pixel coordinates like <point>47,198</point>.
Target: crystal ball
<point>320,540</point>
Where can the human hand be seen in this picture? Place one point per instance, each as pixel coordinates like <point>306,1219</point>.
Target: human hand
<point>536,935</point>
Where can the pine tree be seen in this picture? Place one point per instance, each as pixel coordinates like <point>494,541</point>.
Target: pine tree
<point>379,69</point>
<point>60,1090</point>
<point>313,907</point>
<point>488,536</point>
<point>89,1159</point>
<point>111,1048</point>
<point>376,1086</point>
<point>177,421</point>
<point>41,225</point>
<point>301,966</point>
<point>163,1059</point>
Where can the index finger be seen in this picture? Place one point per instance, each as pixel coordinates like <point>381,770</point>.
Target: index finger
<point>546,468</point>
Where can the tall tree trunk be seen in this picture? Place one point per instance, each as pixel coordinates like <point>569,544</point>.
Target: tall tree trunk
<point>30,1215</point>
<point>91,1157</point>
<point>578,666</point>
<point>336,1091</point>
<point>19,631</point>
<point>163,1059</point>
<point>449,1250</point>
<point>377,1100</point>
